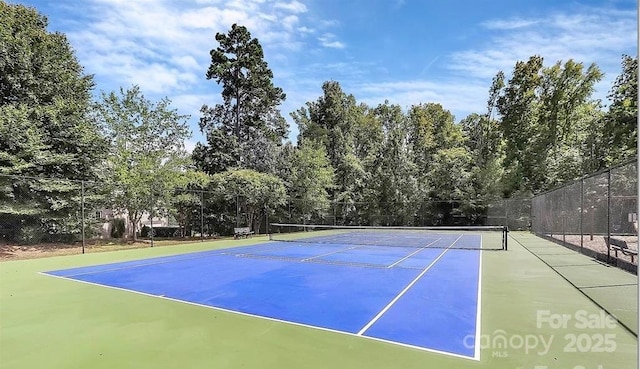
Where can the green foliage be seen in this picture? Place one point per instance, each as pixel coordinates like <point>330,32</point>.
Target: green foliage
<point>331,122</point>
<point>540,110</point>
<point>44,97</point>
<point>44,130</point>
<point>30,234</point>
<point>254,192</point>
<point>220,153</point>
<point>485,146</point>
<point>396,187</point>
<point>146,159</point>
<point>620,123</point>
<point>311,178</point>
<point>375,165</point>
<point>246,129</point>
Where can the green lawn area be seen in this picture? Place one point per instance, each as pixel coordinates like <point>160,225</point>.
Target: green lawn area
<point>48,322</point>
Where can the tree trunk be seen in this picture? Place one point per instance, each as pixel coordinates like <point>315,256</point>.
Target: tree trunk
<point>134,218</point>
<point>134,230</point>
<point>250,216</point>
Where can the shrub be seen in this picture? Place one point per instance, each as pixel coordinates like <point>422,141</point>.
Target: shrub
<point>30,234</point>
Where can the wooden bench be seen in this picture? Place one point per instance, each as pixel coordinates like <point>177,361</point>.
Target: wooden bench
<point>242,232</point>
<point>621,245</point>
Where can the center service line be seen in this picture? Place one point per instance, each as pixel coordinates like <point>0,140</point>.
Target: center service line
<point>413,253</point>
<point>375,319</point>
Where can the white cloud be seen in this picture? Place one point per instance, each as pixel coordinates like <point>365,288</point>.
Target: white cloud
<point>289,22</point>
<point>190,102</point>
<point>593,35</point>
<point>509,24</point>
<point>305,29</point>
<point>163,45</point>
<point>458,95</point>
<point>186,62</point>
<point>328,40</point>
<point>294,7</point>
<point>329,23</point>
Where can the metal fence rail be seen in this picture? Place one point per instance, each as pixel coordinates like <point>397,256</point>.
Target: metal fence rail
<point>587,214</point>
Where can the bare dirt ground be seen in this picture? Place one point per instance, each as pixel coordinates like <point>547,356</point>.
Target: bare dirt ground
<point>19,252</point>
<point>599,244</point>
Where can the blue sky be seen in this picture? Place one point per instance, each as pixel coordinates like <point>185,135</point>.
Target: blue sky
<point>404,51</point>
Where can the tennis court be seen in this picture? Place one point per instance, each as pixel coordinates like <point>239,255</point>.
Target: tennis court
<point>413,287</point>
<point>315,299</point>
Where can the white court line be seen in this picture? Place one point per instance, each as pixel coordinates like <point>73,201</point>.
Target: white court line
<point>413,253</point>
<point>264,317</point>
<point>173,259</point>
<point>331,253</point>
<point>415,280</point>
<point>165,259</point>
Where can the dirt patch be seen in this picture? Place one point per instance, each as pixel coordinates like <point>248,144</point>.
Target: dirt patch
<point>19,252</point>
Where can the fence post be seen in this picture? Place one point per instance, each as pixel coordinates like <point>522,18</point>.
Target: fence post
<point>151,218</point>
<point>609,215</point>
<point>505,203</point>
<point>563,212</point>
<point>334,212</point>
<point>82,206</point>
<point>237,212</point>
<point>581,214</point>
<point>201,216</point>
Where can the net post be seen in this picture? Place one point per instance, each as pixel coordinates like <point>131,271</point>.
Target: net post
<point>505,235</point>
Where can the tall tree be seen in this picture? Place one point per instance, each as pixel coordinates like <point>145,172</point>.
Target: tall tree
<point>621,127</point>
<point>147,159</point>
<point>539,110</point>
<point>311,178</point>
<point>248,113</point>
<point>44,130</point>
<point>484,144</point>
<point>331,121</point>
<point>517,107</point>
<point>394,176</point>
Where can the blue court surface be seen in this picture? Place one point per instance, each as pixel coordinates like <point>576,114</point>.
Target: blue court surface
<point>422,297</point>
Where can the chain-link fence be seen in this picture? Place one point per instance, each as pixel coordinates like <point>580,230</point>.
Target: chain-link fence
<point>72,214</point>
<point>62,213</point>
<point>596,215</point>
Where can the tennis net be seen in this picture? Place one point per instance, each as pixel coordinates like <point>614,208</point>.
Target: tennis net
<point>469,237</point>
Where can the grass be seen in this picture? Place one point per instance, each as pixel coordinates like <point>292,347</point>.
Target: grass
<point>47,322</point>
